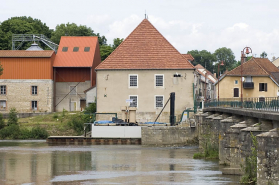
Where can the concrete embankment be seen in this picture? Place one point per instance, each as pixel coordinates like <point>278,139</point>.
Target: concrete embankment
<point>233,133</point>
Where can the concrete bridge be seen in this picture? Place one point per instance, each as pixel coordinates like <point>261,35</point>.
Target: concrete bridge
<point>230,129</point>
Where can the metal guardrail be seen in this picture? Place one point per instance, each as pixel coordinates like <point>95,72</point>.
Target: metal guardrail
<point>262,103</point>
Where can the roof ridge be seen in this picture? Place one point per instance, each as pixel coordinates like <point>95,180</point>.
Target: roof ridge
<point>132,33</point>
<point>260,66</point>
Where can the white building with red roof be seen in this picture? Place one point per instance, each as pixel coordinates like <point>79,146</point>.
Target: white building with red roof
<point>145,69</point>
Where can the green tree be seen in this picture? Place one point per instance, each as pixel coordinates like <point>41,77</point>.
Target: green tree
<point>72,29</point>
<point>105,51</point>
<point>227,56</point>
<point>263,55</point>
<point>2,123</point>
<point>116,42</point>
<point>203,57</point>
<point>21,25</point>
<point>12,120</point>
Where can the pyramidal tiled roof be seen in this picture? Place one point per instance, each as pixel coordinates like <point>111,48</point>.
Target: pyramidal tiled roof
<point>145,48</point>
<point>255,67</point>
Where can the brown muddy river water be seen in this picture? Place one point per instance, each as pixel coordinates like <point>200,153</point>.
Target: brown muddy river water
<point>35,162</point>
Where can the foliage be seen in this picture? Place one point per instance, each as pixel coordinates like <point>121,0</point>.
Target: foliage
<point>116,43</point>
<point>55,116</point>
<point>10,132</point>
<point>250,168</point>
<point>77,124</point>
<point>91,108</point>
<point>21,25</point>
<point>12,120</point>
<point>210,152</point>
<point>105,51</point>
<point>263,55</point>
<point>72,29</point>
<point>227,56</point>
<point>2,123</point>
<point>205,58</point>
<point>38,133</point>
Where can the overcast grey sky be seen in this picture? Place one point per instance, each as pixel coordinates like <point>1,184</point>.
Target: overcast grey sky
<point>187,24</point>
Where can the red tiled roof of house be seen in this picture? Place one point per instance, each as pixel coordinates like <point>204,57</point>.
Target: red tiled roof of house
<point>145,48</point>
<point>199,66</point>
<point>79,58</point>
<point>255,67</point>
<point>24,53</point>
<point>189,57</point>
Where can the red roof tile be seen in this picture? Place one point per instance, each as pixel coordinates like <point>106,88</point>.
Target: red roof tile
<point>24,53</point>
<point>189,57</point>
<point>79,58</point>
<point>254,67</point>
<point>145,48</point>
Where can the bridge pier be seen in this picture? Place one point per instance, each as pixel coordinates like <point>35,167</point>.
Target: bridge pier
<point>231,133</point>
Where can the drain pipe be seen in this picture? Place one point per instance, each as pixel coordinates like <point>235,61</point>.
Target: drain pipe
<point>172,109</point>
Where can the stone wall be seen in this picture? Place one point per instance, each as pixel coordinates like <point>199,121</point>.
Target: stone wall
<point>166,135</point>
<point>18,95</point>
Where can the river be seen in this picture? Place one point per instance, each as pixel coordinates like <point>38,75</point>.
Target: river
<point>36,162</point>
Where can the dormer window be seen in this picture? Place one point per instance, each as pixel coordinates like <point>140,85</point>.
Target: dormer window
<point>86,49</point>
<point>75,49</point>
<point>65,49</point>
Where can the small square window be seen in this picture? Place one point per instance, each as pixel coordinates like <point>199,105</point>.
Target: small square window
<point>65,49</point>
<point>159,101</point>
<point>34,90</point>
<point>34,105</point>
<point>86,49</point>
<point>236,82</point>
<point>75,49</point>
<point>73,90</point>
<point>3,89</point>
<point>262,86</point>
<point>134,102</point>
<point>3,104</point>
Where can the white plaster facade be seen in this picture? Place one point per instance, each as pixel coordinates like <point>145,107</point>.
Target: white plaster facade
<point>91,95</point>
<point>113,90</point>
<point>70,100</point>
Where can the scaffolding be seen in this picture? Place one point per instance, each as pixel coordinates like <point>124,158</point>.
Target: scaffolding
<point>32,37</point>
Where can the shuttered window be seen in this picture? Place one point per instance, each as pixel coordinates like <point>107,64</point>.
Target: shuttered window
<point>236,92</point>
<point>262,86</point>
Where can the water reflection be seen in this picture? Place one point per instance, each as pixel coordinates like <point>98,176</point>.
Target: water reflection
<point>38,163</point>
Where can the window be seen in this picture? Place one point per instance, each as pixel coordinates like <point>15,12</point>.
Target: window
<point>75,49</point>
<point>34,90</point>
<point>73,90</point>
<point>3,104</point>
<point>133,80</point>
<point>134,102</point>
<point>262,86</point>
<point>261,99</point>
<point>34,105</point>
<point>3,89</point>
<point>159,80</point>
<point>248,79</point>
<point>236,92</point>
<point>159,101</point>
<point>236,82</point>
<point>65,49</point>
<point>86,49</point>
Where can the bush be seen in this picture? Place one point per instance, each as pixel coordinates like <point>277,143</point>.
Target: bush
<point>91,108</point>
<point>2,123</point>
<point>77,124</point>
<point>55,116</point>
<point>10,132</point>
<point>12,120</point>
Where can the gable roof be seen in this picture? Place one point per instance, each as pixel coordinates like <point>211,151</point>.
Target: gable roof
<point>26,54</point>
<point>79,58</point>
<point>201,70</point>
<point>145,48</point>
<point>189,57</point>
<point>254,67</point>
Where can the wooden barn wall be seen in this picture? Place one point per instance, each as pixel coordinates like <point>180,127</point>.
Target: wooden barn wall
<point>74,74</point>
<point>27,68</point>
<point>96,62</point>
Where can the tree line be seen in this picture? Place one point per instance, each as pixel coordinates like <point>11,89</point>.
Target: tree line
<point>28,25</point>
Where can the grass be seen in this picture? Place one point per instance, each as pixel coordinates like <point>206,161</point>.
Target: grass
<point>208,153</point>
<point>56,124</point>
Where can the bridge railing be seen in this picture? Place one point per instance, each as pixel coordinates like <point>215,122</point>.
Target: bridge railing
<point>262,103</point>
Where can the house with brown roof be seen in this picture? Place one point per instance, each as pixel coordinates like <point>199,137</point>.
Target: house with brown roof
<point>26,83</point>
<point>141,73</point>
<point>204,84</point>
<point>260,79</point>
<point>74,71</point>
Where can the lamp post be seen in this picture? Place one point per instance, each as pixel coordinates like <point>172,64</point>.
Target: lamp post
<point>248,50</point>
<point>219,75</point>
